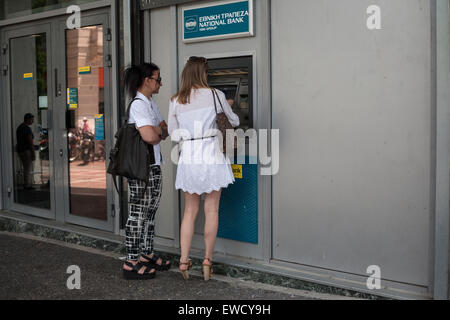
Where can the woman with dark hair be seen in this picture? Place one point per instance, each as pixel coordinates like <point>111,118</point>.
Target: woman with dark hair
<point>202,167</point>
<point>141,83</point>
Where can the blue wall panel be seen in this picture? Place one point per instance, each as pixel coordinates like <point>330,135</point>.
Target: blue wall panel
<point>238,213</point>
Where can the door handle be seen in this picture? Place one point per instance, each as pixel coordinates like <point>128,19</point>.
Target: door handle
<point>61,153</point>
<point>58,91</point>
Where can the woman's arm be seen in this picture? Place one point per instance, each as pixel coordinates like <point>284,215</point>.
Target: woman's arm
<point>172,118</point>
<point>151,135</point>
<point>232,117</point>
<point>145,121</point>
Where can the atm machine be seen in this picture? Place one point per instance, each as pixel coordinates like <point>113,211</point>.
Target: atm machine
<point>238,213</point>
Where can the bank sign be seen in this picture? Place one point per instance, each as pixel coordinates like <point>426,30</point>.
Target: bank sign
<point>230,19</point>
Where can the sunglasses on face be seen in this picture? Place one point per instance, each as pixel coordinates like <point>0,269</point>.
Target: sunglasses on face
<point>159,80</point>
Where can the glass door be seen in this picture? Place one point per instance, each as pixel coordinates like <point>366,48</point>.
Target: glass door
<point>29,122</point>
<point>85,106</point>
<point>57,124</point>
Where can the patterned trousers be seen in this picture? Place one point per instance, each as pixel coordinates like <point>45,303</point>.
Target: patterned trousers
<point>140,227</point>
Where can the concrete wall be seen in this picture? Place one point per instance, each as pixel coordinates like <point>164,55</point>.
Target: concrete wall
<point>163,53</point>
<point>354,109</point>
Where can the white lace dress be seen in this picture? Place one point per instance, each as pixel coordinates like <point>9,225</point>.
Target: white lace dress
<point>202,167</point>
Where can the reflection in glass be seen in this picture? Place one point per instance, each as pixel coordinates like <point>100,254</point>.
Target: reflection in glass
<point>85,122</point>
<point>29,105</point>
<point>14,8</point>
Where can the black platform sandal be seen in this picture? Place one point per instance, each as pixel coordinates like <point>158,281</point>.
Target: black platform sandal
<point>153,262</point>
<point>134,273</point>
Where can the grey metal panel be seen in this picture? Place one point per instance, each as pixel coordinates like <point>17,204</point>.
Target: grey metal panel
<point>1,175</point>
<point>162,52</point>
<point>265,119</point>
<point>353,107</point>
<point>3,154</point>
<point>147,36</point>
<point>153,4</point>
<point>54,13</point>
<point>59,123</point>
<point>127,34</point>
<point>174,85</point>
<point>115,97</point>
<point>441,246</point>
<point>2,94</point>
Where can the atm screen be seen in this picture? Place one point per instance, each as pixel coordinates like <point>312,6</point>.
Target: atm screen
<point>234,83</point>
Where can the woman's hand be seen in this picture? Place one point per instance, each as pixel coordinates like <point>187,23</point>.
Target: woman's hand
<point>165,130</point>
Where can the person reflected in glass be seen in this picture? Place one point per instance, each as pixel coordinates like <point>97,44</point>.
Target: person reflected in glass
<point>86,128</point>
<point>25,149</point>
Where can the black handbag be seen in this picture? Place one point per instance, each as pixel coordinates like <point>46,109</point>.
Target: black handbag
<point>131,156</point>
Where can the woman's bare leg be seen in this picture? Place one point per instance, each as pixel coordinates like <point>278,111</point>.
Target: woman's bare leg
<point>212,202</point>
<point>187,226</point>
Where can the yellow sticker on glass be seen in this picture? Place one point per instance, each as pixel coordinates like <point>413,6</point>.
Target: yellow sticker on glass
<point>84,70</point>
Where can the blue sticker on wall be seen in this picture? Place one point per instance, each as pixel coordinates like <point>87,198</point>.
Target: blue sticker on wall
<point>99,127</point>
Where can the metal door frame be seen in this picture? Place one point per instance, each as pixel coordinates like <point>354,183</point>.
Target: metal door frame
<point>6,132</point>
<point>94,18</point>
<point>441,81</point>
<point>54,30</point>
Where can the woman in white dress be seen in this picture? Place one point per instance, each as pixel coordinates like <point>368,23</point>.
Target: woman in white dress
<point>202,167</point>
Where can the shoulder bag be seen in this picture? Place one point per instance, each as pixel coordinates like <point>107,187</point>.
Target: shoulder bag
<point>131,156</point>
<point>223,124</point>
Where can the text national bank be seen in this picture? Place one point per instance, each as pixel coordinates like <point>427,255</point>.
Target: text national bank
<point>223,19</point>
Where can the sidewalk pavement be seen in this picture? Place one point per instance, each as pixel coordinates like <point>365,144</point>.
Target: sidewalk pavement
<point>33,268</point>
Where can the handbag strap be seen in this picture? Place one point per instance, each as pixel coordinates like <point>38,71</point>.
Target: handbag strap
<point>214,97</point>
<point>129,108</point>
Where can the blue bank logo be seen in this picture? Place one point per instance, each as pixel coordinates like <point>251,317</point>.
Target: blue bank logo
<point>191,24</point>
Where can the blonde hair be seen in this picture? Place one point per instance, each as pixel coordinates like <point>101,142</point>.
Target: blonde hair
<point>194,76</point>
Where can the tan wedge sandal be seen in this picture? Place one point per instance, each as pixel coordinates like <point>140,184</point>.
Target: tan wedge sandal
<point>185,273</point>
<point>207,270</point>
